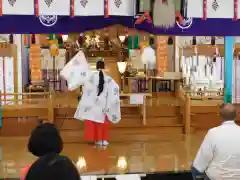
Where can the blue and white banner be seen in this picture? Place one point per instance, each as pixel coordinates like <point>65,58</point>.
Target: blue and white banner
<point>121,7</point>
<point>54,7</point>
<point>18,7</point>
<point>214,9</point>
<point>89,8</point>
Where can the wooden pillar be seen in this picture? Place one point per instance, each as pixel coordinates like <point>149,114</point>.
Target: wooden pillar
<point>162,54</point>
<point>51,103</point>
<point>187,115</point>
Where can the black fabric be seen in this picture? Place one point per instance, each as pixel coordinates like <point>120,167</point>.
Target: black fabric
<point>53,167</point>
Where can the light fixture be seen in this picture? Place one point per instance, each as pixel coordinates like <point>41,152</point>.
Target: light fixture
<point>122,38</point>
<point>122,163</point>
<point>81,163</point>
<point>64,37</point>
<point>122,67</point>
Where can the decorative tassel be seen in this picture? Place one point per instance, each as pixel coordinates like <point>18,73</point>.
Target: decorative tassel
<point>213,40</point>
<point>147,16</point>
<point>170,41</point>
<point>235,10</point>
<point>214,58</point>
<point>126,37</point>
<point>52,37</point>
<point>60,39</point>
<point>106,43</point>
<point>106,13</point>
<point>72,8</point>
<point>0,7</point>
<point>204,9</point>
<point>179,17</point>
<point>33,40</point>
<point>37,8</point>
<point>81,40</point>
<point>130,45</point>
<point>136,42</point>
<point>164,14</point>
<point>194,40</point>
<point>11,41</point>
<point>151,41</point>
<point>25,40</point>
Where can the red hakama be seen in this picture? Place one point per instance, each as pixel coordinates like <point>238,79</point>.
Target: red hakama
<point>94,131</point>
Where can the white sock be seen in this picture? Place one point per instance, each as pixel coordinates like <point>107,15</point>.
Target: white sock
<point>98,142</point>
<point>105,143</point>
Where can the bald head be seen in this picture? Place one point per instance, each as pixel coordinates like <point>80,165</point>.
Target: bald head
<point>228,112</point>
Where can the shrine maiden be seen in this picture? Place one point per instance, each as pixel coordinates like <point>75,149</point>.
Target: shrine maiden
<point>100,100</point>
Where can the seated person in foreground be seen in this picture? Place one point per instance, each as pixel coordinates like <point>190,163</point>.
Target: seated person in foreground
<point>45,139</point>
<point>53,167</point>
<point>219,155</point>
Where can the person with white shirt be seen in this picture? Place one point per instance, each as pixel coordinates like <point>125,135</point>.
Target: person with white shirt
<point>219,155</point>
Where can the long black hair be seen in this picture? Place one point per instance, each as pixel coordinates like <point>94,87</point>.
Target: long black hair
<point>100,66</point>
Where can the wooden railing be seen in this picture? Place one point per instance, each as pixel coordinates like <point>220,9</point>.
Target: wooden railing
<point>185,108</point>
<point>16,101</point>
<point>205,95</point>
<point>48,101</point>
<point>142,106</point>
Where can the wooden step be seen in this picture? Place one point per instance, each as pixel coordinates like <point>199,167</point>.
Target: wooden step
<point>164,120</point>
<point>69,112</point>
<point>130,134</point>
<point>165,111</point>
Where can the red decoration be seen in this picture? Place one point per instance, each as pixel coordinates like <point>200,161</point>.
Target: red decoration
<point>204,9</point>
<point>147,16</point>
<point>106,9</point>
<point>36,7</point>
<point>235,10</point>
<point>0,7</point>
<point>165,1</point>
<point>72,8</point>
<point>179,16</point>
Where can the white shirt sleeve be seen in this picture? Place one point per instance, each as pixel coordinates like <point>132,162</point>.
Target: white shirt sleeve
<point>205,153</point>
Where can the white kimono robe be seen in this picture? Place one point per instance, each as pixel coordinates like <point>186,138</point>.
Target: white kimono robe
<point>93,107</point>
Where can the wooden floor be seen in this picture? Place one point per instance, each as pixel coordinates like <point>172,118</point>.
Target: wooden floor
<point>159,154</point>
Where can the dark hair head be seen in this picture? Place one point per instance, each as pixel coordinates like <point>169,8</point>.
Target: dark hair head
<point>228,112</point>
<point>45,139</point>
<point>52,167</point>
<point>100,66</point>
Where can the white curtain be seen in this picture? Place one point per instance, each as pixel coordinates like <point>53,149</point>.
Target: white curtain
<point>54,7</point>
<point>224,8</point>
<point>89,8</point>
<point>121,7</point>
<point>18,7</point>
